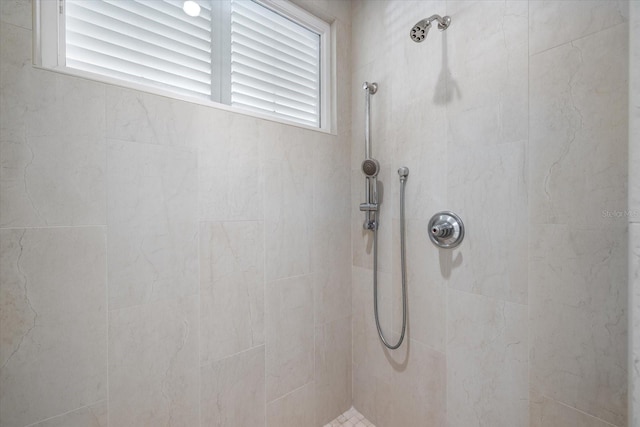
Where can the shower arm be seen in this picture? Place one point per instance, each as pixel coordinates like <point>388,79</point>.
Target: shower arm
<point>443,23</point>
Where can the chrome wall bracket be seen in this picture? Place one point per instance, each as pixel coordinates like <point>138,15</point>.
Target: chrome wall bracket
<point>446,230</point>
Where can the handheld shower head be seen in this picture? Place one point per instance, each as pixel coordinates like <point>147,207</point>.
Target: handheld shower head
<point>371,167</point>
<point>419,31</point>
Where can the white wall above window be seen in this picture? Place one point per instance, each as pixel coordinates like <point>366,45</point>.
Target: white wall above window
<point>267,57</point>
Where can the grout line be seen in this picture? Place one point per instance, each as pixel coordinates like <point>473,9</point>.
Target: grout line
<point>576,409</point>
<point>67,413</point>
<point>44,227</point>
<point>578,38</point>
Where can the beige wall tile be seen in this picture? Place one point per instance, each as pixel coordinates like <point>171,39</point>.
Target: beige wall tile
<point>578,318</point>
<point>487,363</point>
<point>288,201</point>
<point>293,410</point>
<point>546,412</point>
<point>53,357</point>
<point>487,187</point>
<point>289,335</point>
<point>578,147</point>
<point>231,288</point>
<point>634,324</point>
<point>332,369</point>
<point>153,231</point>
<point>95,415</point>
<point>153,364</point>
<point>230,169</point>
<point>549,25</point>
<point>233,391</point>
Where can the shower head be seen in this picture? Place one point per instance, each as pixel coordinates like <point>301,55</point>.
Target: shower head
<point>371,167</point>
<point>419,31</point>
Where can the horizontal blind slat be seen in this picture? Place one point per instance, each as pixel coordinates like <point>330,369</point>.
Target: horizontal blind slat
<point>273,31</point>
<point>146,41</point>
<point>140,21</point>
<point>245,30</point>
<point>271,97</point>
<point>241,51</point>
<point>135,70</point>
<point>92,18</point>
<point>275,64</point>
<point>136,57</point>
<point>88,35</point>
<point>276,84</point>
<point>251,8</point>
<point>273,108</point>
<point>90,67</point>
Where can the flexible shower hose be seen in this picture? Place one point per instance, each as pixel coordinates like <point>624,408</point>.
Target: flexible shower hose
<point>404,275</point>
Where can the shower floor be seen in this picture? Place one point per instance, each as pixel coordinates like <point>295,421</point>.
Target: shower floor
<point>351,418</point>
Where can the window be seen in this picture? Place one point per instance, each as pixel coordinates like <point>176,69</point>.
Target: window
<point>264,56</point>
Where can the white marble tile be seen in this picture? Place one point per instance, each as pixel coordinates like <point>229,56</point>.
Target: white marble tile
<point>143,117</point>
<point>152,262</point>
<point>419,139</point>
<point>487,363</point>
<point>578,146</point>
<point>365,335</point>
<point>487,84</point>
<point>332,369</point>
<point>231,288</point>
<point>23,89</point>
<point>293,410</point>
<point>288,200</point>
<point>230,169</point>
<point>553,22</point>
<point>545,412</point>
<point>331,189</point>
<point>233,391</point>
<point>94,415</point>
<point>487,187</point>
<point>150,184</point>
<point>332,292</point>
<point>634,324</point>
<point>413,388</point>
<point>289,335</point>
<point>17,12</point>
<point>53,329</point>
<point>153,364</point>
<point>52,180</point>
<point>152,216</point>
<point>634,111</point>
<point>578,324</point>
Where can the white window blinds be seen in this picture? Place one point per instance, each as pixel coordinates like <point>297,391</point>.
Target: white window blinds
<point>275,64</point>
<point>236,51</point>
<point>144,41</point>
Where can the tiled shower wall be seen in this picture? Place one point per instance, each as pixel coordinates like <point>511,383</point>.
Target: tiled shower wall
<point>516,119</point>
<point>634,214</point>
<point>165,263</point>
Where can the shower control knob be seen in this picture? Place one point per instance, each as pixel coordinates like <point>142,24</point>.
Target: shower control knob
<point>446,230</point>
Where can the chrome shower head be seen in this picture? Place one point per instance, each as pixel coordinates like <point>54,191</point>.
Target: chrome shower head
<point>371,167</point>
<point>419,31</point>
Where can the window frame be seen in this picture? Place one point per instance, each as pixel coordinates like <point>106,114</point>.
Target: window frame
<point>49,53</point>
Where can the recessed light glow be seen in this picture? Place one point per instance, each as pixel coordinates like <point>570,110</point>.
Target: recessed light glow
<point>191,8</point>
